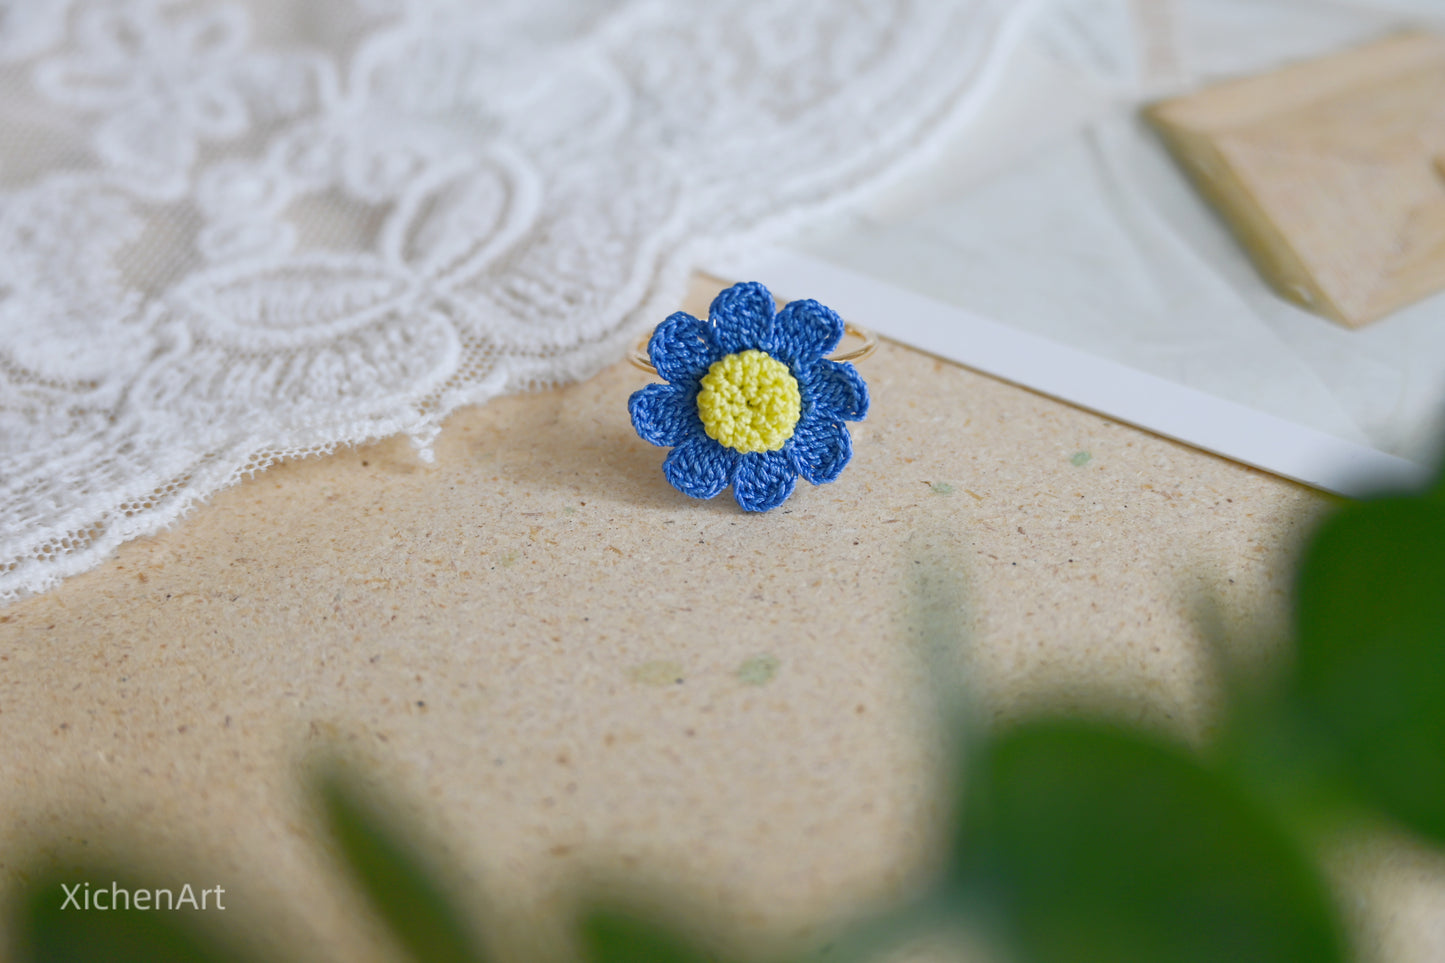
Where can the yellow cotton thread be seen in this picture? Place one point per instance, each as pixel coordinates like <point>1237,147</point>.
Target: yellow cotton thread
<point>749,402</point>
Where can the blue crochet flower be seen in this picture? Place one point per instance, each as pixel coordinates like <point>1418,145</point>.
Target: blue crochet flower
<point>751,400</point>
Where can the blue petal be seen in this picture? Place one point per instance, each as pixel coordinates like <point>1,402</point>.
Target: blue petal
<point>805,332</point>
<point>699,467</point>
<point>664,414</point>
<point>820,449</point>
<point>763,480</point>
<point>835,390</point>
<point>742,317</point>
<point>681,349</point>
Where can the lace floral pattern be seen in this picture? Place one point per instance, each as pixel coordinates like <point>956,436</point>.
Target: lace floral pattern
<point>232,233</point>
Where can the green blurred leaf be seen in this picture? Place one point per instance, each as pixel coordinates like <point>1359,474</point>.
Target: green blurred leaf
<point>50,930</point>
<point>1092,844</point>
<point>413,904</point>
<point>1370,621</point>
<point>611,936</point>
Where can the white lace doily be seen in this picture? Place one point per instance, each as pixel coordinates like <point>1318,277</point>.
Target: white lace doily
<point>234,233</point>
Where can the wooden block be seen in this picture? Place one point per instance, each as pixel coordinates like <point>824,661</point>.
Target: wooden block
<point>1331,173</point>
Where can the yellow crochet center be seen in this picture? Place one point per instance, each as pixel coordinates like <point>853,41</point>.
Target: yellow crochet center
<point>749,402</point>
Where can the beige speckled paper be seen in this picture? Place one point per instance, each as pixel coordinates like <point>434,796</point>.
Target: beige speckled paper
<point>568,670</point>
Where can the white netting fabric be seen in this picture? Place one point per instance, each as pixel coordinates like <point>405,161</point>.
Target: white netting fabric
<point>233,233</point>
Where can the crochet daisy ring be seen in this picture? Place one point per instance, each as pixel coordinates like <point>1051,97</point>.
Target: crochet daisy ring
<point>751,399</point>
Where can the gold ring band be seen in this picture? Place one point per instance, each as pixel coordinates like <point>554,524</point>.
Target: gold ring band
<point>638,356</point>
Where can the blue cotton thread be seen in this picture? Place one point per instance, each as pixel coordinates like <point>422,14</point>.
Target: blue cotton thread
<point>661,415</point>
<point>764,480</point>
<point>679,346</point>
<point>699,467</point>
<point>839,389</point>
<point>821,451</point>
<point>741,317</point>
<point>806,330</point>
